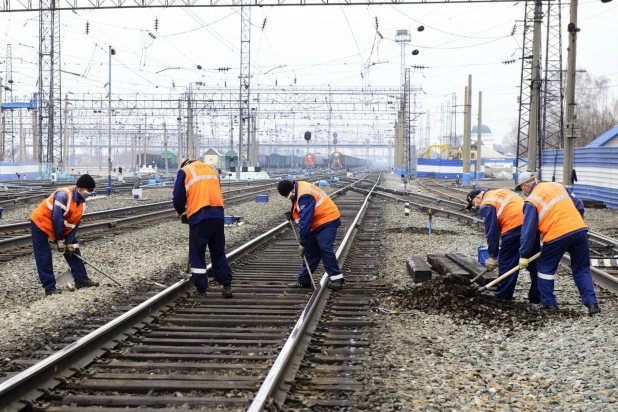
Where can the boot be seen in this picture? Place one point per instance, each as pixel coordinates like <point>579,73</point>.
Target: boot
<point>593,309</point>
<point>336,285</point>
<point>53,292</point>
<point>200,294</point>
<point>88,283</point>
<point>227,291</point>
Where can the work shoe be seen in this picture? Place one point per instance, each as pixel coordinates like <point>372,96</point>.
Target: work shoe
<point>537,307</point>
<point>53,292</point>
<point>201,294</point>
<point>227,291</point>
<point>336,285</point>
<point>593,309</point>
<point>86,284</point>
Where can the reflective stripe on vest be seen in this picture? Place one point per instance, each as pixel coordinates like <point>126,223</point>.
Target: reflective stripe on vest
<point>325,209</point>
<point>557,213</point>
<point>196,178</point>
<point>509,208</point>
<point>202,187</point>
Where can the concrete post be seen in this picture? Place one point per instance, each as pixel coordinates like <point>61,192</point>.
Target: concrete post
<point>571,128</point>
<point>145,139</point>
<point>535,97</point>
<point>479,143</point>
<point>179,134</point>
<point>65,147</point>
<point>165,148</point>
<point>35,136</point>
<point>466,143</point>
<point>22,152</point>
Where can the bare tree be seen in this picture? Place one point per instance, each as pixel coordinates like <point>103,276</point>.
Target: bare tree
<point>597,107</point>
<point>509,140</point>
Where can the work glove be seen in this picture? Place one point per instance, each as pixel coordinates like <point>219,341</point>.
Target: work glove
<point>184,219</point>
<point>288,216</point>
<point>491,264</point>
<point>61,245</point>
<point>301,250</point>
<point>70,250</point>
<point>523,263</point>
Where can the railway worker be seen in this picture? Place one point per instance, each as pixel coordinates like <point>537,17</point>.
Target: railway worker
<point>318,220</point>
<point>57,218</point>
<point>405,182</point>
<point>558,215</point>
<point>197,192</point>
<point>503,215</point>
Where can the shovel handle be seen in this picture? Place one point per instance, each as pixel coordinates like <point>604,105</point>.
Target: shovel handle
<point>480,275</point>
<point>509,273</point>
<point>304,258</point>
<point>96,268</point>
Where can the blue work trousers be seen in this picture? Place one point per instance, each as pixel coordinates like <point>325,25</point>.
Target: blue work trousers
<point>576,244</point>
<point>211,233</point>
<point>319,246</point>
<point>44,262</point>
<point>508,258</point>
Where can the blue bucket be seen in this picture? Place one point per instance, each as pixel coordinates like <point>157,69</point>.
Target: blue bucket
<point>322,183</point>
<point>483,254</point>
<point>136,196</point>
<point>261,198</point>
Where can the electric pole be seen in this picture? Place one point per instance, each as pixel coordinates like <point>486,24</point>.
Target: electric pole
<point>571,128</point>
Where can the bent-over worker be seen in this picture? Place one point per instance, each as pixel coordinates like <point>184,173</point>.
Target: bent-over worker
<point>318,220</point>
<point>558,216</point>
<point>503,215</point>
<point>57,218</point>
<point>198,190</point>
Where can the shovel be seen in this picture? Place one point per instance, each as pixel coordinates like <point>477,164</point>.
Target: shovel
<point>289,217</point>
<point>506,275</point>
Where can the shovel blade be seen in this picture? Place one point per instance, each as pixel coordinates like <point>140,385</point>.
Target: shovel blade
<point>64,279</point>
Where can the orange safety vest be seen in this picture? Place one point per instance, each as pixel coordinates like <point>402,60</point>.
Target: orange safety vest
<point>202,186</point>
<point>42,215</point>
<point>557,213</point>
<point>509,208</point>
<point>325,209</point>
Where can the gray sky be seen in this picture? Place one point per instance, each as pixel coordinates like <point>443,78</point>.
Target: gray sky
<point>325,45</point>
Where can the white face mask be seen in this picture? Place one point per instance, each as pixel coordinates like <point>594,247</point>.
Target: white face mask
<point>85,194</point>
<point>291,195</point>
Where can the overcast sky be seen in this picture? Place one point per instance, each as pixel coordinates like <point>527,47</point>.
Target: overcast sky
<point>316,45</point>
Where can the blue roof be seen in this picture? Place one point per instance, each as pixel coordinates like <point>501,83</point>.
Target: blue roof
<point>604,138</point>
<point>484,129</point>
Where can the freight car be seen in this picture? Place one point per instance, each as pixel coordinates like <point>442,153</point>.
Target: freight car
<point>340,161</point>
<point>264,160</point>
<point>157,159</point>
<point>313,161</point>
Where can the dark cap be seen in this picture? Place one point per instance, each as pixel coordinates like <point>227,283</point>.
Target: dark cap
<point>471,196</point>
<point>186,162</point>
<point>86,182</point>
<point>285,187</point>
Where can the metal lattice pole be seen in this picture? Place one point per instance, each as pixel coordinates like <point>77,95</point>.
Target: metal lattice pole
<point>50,93</point>
<point>245,81</point>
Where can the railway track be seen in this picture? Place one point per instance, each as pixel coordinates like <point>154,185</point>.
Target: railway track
<point>173,349</point>
<point>15,239</point>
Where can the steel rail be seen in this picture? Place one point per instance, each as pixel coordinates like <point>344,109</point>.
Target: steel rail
<point>280,364</point>
<point>42,373</point>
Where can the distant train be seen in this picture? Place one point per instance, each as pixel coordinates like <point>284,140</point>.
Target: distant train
<point>158,159</point>
<point>336,161</point>
<point>340,161</point>
<point>313,161</point>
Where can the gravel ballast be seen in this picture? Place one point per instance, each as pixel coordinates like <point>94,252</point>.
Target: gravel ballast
<point>443,348</point>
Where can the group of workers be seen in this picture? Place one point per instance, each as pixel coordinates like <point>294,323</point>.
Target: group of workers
<point>549,214</point>
<point>198,201</point>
